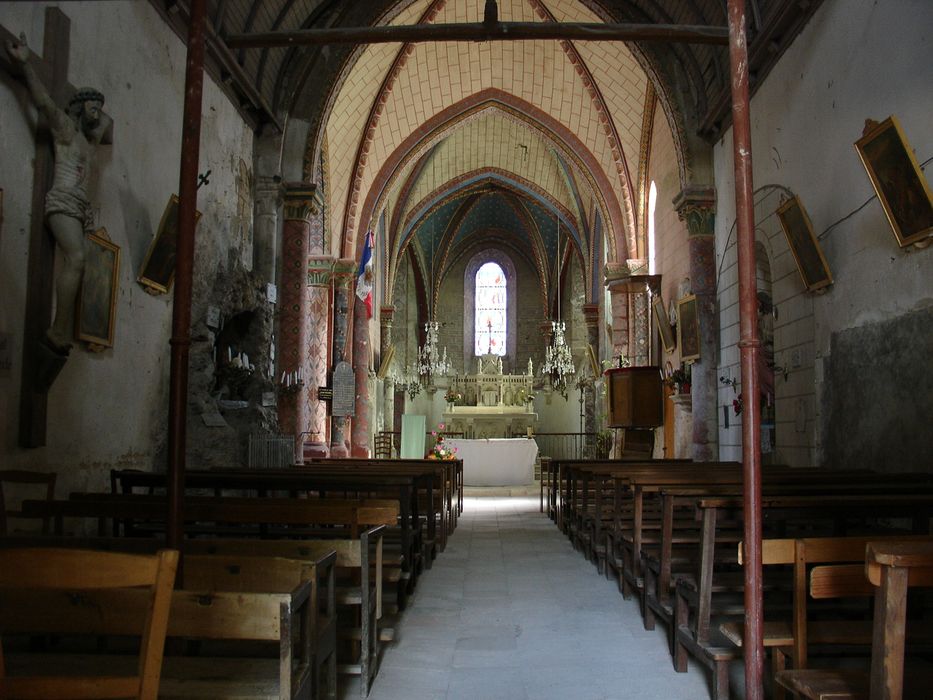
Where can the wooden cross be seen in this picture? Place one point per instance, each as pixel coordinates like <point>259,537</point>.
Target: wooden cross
<point>40,368</point>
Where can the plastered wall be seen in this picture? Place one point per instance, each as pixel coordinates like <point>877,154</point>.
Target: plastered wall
<point>853,61</point>
<point>109,409</point>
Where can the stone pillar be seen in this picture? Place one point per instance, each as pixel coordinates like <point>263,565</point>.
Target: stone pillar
<point>361,427</point>
<point>696,206</point>
<point>320,270</point>
<point>269,195</point>
<point>344,270</point>
<point>385,342</point>
<point>293,302</point>
<point>628,285</point>
<point>591,317</point>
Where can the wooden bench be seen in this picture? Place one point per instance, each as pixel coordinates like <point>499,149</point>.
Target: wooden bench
<point>229,598</point>
<point>358,566</point>
<point>56,572</point>
<point>694,604</point>
<point>891,568</point>
<point>19,478</point>
<point>797,632</point>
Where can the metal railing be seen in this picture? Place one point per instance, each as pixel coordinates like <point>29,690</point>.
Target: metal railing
<point>566,445</point>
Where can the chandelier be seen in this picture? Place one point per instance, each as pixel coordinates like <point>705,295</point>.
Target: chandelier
<point>432,363</point>
<point>558,363</point>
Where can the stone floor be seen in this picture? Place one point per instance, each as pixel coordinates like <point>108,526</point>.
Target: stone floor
<point>511,611</point>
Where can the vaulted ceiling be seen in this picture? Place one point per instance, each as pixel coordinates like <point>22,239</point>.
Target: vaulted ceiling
<point>445,146</point>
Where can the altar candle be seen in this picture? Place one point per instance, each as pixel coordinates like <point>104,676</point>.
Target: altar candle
<point>229,354</point>
<point>283,378</point>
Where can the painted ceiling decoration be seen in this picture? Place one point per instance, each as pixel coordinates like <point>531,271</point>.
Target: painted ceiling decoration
<point>455,145</point>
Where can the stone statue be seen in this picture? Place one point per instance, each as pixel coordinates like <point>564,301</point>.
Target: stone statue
<point>75,132</point>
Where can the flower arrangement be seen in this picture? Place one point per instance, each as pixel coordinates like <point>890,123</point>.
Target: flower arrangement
<point>453,396</point>
<point>679,380</point>
<point>440,450</point>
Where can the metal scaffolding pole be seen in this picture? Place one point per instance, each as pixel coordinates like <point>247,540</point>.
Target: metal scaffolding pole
<point>749,347</point>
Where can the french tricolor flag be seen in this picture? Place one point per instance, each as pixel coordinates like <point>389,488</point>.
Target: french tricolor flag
<point>364,278</point>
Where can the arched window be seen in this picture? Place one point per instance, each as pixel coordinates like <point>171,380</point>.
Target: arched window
<point>490,310</point>
<point>652,251</point>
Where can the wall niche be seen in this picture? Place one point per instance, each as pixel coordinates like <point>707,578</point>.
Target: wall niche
<point>230,370</point>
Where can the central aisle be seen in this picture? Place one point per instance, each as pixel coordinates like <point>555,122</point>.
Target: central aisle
<point>511,611</point>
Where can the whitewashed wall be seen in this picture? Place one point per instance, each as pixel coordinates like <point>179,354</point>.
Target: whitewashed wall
<point>854,60</point>
<point>110,409</point>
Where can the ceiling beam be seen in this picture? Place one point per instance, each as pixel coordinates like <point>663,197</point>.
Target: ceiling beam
<point>483,31</point>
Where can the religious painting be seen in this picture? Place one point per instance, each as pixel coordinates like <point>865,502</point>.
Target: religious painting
<point>688,328</point>
<point>665,329</point>
<point>158,270</point>
<point>95,317</point>
<point>811,263</point>
<point>901,187</point>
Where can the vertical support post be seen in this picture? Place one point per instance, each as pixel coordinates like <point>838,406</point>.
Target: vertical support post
<point>320,271</point>
<point>293,311</point>
<point>749,345</point>
<point>385,342</point>
<point>344,274</point>
<point>184,269</point>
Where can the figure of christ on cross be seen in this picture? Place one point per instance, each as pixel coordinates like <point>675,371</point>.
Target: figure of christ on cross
<point>75,132</point>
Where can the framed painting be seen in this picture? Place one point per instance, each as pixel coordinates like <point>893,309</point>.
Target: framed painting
<point>665,329</point>
<point>95,317</point>
<point>688,328</point>
<point>901,187</point>
<point>158,270</point>
<point>811,263</point>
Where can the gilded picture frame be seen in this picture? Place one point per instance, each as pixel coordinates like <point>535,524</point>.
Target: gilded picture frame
<point>811,263</point>
<point>95,315</point>
<point>158,269</point>
<point>895,175</point>
<point>665,329</point>
<point>688,328</point>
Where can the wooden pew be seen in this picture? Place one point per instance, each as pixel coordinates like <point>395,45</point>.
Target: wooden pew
<point>229,598</point>
<point>695,593</point>
<point>797,632</point>
<point>358,565</point>
<point>891,568</point>
<point>404,488</point>
<point>54,572</point>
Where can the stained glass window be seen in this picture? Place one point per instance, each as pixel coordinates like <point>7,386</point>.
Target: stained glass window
<point>490,305</point>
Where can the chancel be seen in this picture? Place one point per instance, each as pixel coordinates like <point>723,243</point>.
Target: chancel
<point>462,306</point>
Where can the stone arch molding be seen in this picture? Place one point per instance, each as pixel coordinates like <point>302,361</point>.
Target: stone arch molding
<point>473,265</point>
<point>621,224</point>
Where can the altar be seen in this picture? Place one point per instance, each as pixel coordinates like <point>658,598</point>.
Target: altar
<point>490,404</point>
<point>496,462</point>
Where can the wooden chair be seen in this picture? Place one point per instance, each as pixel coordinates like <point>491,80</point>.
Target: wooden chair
<point>383,446</point>
<point>20,476</point>
<point>73,570</point>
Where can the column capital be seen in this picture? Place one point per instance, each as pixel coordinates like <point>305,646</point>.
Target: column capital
<point>302,201</point>
<point>344,271</point>
<point>696,206</point>
<point>320,269</point>
<point>591,314</point>
<point>386,313</point>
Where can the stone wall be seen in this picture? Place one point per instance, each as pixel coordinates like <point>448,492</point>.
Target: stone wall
<point>843,68</point>
<point>109,409</point>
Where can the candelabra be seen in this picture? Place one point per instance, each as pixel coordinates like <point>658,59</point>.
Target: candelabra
<point>558,363</point>
<point>432,363</point>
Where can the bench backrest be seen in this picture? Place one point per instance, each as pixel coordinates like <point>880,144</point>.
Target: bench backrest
<point>57,570</point>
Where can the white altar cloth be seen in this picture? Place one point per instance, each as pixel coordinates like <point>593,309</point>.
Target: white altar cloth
<point>496,461</point>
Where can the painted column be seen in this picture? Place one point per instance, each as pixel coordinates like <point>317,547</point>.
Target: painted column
<point>293,311</point>
<point>696,206</point>
<point>320,271</point>
<point>344,272</point>
<point>639,319</point>
<point>591,317</point>
<point>619,312</point>
<point>361,430</point>
<point>388,388</point>
<point>269,193</point>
